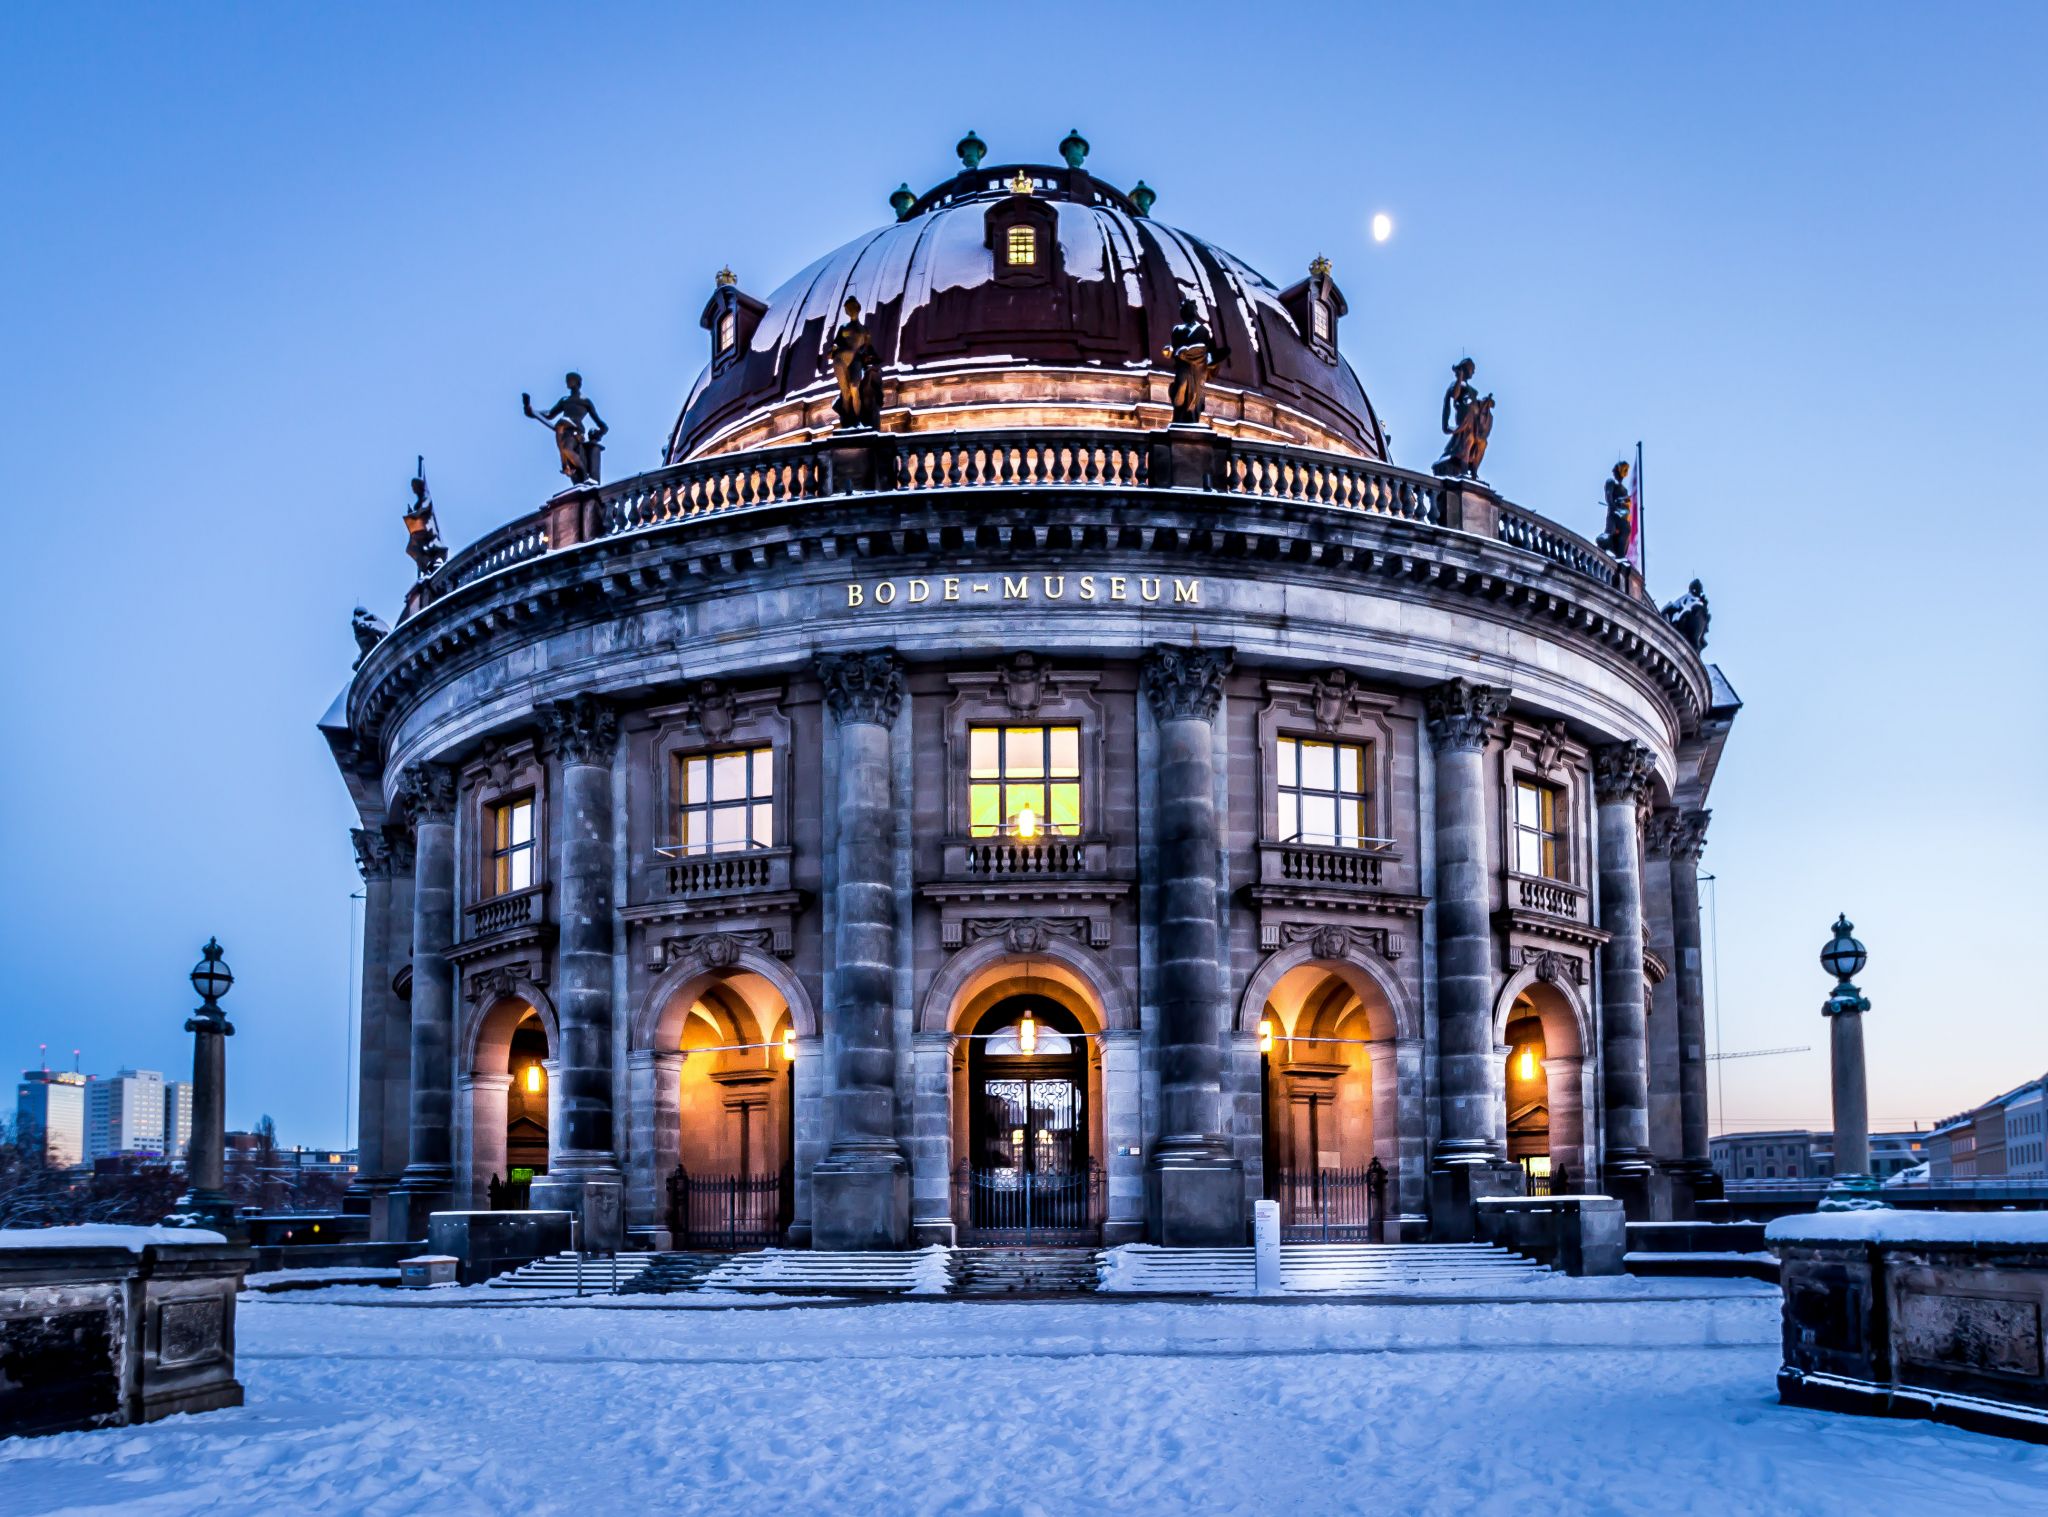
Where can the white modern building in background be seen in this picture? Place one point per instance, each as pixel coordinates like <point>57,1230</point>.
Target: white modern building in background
<point>49,1108</point>
<point>125,1115</point>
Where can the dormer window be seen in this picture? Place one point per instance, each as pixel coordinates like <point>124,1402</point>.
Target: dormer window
<point>1023,246</point>
<point>1316,304</point>
<point>730,316</point>
<point>1021,232</point>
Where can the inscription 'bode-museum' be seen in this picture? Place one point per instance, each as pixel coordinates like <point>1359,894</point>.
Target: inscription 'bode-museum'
<point>1146,589</point>
<point>1240,815</point>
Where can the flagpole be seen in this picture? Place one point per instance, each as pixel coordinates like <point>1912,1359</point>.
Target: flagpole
<point>1642,538</point>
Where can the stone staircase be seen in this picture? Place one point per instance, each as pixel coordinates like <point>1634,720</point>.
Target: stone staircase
<point>804,1271</point>
<point>1360,1269</point>
<point>668,1273</point>
<point>1710,1250</point>
<point>1023,1271</point>
<point>562,1271</point>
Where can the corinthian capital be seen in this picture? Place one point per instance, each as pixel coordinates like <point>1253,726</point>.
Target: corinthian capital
<point>1186,683</point>
<point>1689,837</point>
<point>426,793</point>
<point>581,730</point>
<point>1461,714</point>
<point>399,841</point>
<point>373,853</point>
<point>863,687</point>
<point>1623,771</point>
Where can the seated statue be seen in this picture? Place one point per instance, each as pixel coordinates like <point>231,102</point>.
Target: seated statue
<point>423,534</point>
<point>1690,616</point>
<point>1195,354</point>
<point>370,629</point>
<point>856,371</point>
<point>1467,422</point>
<point>577,428</point>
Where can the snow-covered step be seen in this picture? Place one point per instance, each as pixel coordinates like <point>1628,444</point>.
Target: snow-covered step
<point>1011,1271</point>
<point>1316,1268</point>
<point>566,1271</point>
<point>924,1271</point>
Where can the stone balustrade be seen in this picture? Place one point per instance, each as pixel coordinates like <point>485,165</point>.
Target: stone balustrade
<point>1315,864</point>
<point>723,873</point>
<point>1550,897</point>
<point>504,913</point>
<point>1007,858</point>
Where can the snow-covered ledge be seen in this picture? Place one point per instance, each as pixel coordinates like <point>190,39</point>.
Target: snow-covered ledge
<point>101,1326</point>
<point>1920,1314</point>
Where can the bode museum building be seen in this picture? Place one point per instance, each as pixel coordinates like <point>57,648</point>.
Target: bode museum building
<point>1028,766</point>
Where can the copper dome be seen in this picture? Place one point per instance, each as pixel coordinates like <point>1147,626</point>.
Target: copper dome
<point>971,336</point>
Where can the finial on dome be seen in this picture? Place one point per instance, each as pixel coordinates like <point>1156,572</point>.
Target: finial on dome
<point>1319,267</point>
<point>1020,183</point>
<point>1074,148</point>
<point>727,277</point>
<point>1142,196</point>
<point>971,150</point>
<point>901,202</point>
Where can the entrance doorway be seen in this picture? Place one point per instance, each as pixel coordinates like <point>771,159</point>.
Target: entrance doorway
<point>1028,1174</point>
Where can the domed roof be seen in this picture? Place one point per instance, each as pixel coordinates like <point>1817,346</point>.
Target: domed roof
<point>972,336</point>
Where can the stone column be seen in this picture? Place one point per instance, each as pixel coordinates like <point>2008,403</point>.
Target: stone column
<point>1689,970</point>
<point>1467,1163</point>
<point>1660,998</point>
<point>1124,1165</point>
<point>860,1191</point>
<point>1621,779</point>
<point>931,1140</point>
<point>427,794</point>
<point>483,1126</point>
<point>1194,1185</point>
<point>583,1162</point>
<point>1565,1089</point>
<point>375,1168</point>
<point>654,1081</point>
<point>386,1220</point>
<point>812,1137</point>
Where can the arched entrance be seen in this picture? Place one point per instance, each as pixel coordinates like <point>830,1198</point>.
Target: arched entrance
<point>1028,1171</point>
<point>508,1085</point>
<point>1543,1086</point>
<point>1328,1074</point>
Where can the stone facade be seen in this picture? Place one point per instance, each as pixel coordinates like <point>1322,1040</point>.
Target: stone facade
<point>840,625</point>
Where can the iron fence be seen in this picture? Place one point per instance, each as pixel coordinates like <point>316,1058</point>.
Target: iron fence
<point>1332,1205</point>
<point>1027,1206</point>
<point>728,1212</point>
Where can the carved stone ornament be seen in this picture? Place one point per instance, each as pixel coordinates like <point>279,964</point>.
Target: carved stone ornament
<point>1460,714</point>
<point>398,839</point>
<point>1186,684</point>
<point>1025,934</point>
<point>714,709</point>
<point>581,730</point>
<point>1327,940</point>
<point>1660,833</point>
<point>370,629</point>
<point>497,762</point>
<point>1335,697</point>
<point>717,950</point>
<point>1690,836</point>
<point>1023,681</point>
<point>497,983</point>
<point>863,687</point>
<point>1550,747</point>
<point>1623,771</point>
<point>426,793</point>
<point>373,853</point>
<point>1554,968</point>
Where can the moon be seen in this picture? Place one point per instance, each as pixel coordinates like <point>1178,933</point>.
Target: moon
<point>1382,226</point>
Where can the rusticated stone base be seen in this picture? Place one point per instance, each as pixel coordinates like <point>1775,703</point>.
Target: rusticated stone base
<point>1195,1201</point>
<point>860,1202</point>
<point>1453,1188</point>
<point>1644,1193</point>
<point>596,1199</point>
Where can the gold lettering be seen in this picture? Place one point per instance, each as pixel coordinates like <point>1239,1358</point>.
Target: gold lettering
<point>1016,589</point>
<point>921,591</point>
<point>853,595</point>
<point>1149,588</point>
<point>952,587</point>
<point>1116,587</point>
<point>1189,590</point>
<point>1087,587</point>
<point>1055,586</point>
<point>885,592</point>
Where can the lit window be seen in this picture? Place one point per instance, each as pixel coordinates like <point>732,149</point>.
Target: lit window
<point>1322,793</point>
<point>726,801</point>
<point>1536,830</point>
<point>1023,246</point>
<point>1319,319</point>
<point>1023,780</point>
<point>512,846</point>
<point>728,328</point>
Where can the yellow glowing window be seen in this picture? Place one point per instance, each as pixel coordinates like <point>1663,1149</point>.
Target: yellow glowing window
<point>726,801</point>
<point>512,845</point>
<point>728,328</point>
<point>1023,246</point>
<point>1019,772</point>
<point>1321,793</point>
<point>1536,830</point>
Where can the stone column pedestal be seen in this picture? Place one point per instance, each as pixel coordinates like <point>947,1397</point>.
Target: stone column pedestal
<point>860,1190</point>
<point>1622,773</point>
<point>931,1141</point>
<point>1194,1185</point>
<point>1123,1166</point>
<point>427,794</point>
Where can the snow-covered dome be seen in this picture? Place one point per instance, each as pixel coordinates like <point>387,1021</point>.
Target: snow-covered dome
<point>1027,295</point>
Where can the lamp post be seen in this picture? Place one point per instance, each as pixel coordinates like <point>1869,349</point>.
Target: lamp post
<point>205,1202</point>
<point>1844,958</point>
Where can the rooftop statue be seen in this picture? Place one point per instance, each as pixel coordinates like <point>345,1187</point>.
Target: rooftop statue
<point>1196,355</point>
<point>423,534</point>
<point>1614,535</point>
<point>1468,422</point>
<point>370,629</point>
<point>577,428</point>
<point>1690,616</point>
<point>857,371</point>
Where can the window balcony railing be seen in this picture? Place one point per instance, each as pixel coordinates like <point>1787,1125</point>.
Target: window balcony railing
<point>1329,865</point>
<point>736,872</point>
<point>1546,897</point>
<point>505,913</point>
<point>1008,858</point>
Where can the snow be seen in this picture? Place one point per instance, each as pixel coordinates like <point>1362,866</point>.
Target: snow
<point>309,1276</point>
<point>1887,1226</point>
<point>103,1235</point>
<point>1062,1407</point>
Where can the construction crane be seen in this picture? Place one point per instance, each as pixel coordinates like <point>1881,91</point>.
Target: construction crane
<point>1758,1053</point>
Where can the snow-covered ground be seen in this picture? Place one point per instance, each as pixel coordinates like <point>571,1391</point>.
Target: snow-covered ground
<point>1554,1406</point>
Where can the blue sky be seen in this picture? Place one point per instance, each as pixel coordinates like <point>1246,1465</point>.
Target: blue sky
<point>258,257</point>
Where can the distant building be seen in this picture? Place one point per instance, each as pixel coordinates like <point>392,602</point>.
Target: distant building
<point>125,1115</point>
<point>1802,1154</point>
<point>2004,1139</point>
<point>177,1118</point>
<point>2026,1157</point>
<point>49,1111</point>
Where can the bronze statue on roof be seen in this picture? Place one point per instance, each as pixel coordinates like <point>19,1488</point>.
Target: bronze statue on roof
<point>1690,616</point>
<point>1195,354</point>
<point>423,543</point>
<point>857,371</point>
<point>1467,421</point>
<point>577,428</point>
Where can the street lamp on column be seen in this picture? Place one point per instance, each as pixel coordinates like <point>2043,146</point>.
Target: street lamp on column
<point>205,1202</point>
<point>1844,957</point>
